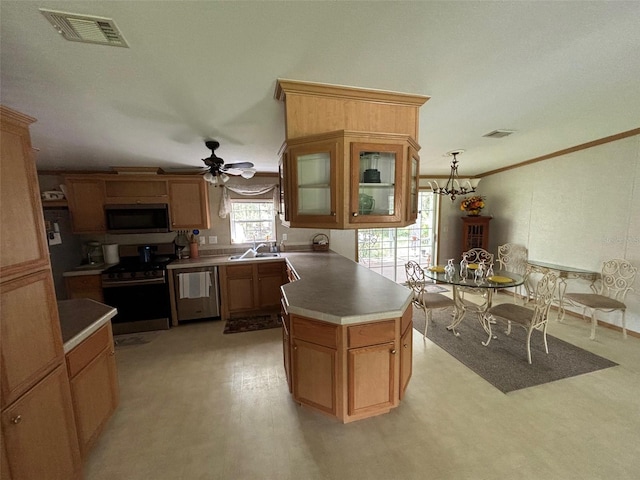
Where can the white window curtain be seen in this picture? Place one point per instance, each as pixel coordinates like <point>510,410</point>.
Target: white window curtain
<point>248,191</point>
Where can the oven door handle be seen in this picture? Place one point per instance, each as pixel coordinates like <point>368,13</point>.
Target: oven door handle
<point>122,283</point>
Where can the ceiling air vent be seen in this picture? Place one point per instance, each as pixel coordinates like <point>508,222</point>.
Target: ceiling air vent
<point>499,133</point>
<point>85,28</point>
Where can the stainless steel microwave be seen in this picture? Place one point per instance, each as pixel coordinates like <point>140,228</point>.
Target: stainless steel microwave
<point>137,218</point>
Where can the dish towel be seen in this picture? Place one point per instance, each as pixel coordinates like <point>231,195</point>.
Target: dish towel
<point>194,285</point>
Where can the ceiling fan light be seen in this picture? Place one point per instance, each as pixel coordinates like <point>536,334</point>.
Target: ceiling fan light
<point>210,178</point>
<point>224,177</point>
<point>248,172</point>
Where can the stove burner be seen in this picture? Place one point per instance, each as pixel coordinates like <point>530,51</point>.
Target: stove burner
<point>131,268</point>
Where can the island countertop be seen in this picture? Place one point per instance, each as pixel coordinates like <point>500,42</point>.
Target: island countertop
<point>330,288</point>
<point>81,317</point>
<point>335,289</point>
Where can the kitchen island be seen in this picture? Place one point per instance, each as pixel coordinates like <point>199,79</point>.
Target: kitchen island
<point>347,333</point>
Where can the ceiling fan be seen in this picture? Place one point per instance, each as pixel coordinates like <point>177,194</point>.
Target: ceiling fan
<point>219,171</point>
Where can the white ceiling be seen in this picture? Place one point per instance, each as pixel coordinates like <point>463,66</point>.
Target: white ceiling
<point>559,73</point>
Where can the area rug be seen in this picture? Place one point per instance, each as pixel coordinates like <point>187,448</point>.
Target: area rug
<point>130,340</point>
<point>503,363</point>
<point>252,323</point>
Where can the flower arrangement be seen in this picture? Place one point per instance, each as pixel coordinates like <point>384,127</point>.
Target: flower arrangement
<point>472,205</point>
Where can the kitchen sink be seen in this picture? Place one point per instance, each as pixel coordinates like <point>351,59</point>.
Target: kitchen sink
<point>257,255</point>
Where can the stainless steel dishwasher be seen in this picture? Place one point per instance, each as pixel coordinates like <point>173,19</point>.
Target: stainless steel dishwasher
<point>206,302</point>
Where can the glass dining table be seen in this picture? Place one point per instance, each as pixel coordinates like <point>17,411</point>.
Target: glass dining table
<point>483,289</point>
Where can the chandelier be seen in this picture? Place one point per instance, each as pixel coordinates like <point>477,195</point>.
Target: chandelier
<point>454,187</point>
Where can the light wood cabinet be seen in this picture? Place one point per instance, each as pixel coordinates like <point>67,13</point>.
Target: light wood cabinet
<point>86,197</point>
<point>314,358</point>
<point>31,340</point>
<point>24,246</point>
<point>251,287</point>
<point>348,371</point>
<point>351,180</point>
<point>133,190</point>
<point>326,121</point>
<point>39,434</point>
<point>189,203</point>
<point>237,288</point>
<point>271,276</point>
<point>94,385</point>
<point>84,286</point>
<point>37,426</point>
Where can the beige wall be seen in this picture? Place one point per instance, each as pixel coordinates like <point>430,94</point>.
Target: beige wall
<point>577,210</point>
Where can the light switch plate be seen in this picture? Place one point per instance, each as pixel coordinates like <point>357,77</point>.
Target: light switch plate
<point>284,236</point>
<point>213,239</point>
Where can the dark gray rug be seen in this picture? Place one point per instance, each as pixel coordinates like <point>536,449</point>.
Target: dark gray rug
<point>130,340</point>
<point>252,323</point>
<point>503,363</point>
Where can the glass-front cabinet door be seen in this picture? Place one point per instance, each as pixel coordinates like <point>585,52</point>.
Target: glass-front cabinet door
<point>313,171</point>
<point>376,183</point>
<point>414,178</point>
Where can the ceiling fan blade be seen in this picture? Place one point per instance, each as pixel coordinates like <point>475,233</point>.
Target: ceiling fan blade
<point>239,165</point>
<point>232,171</point>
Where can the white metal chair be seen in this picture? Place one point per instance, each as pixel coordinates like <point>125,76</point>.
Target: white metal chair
<point>616,280</point>
<point>513,258</point>
<point>529,319</point>
<point>425,301</point>
<point>477,255</point>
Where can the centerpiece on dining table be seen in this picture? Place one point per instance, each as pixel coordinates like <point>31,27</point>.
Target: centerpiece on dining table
<point>472,205</point>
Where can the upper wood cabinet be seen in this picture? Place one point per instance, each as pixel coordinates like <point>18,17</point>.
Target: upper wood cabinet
<point>189,203</point>
<point>347,179</point>
<point>188,198</point>
<point>86,197</point>
<point>350,155</point>
<point>24,246</point>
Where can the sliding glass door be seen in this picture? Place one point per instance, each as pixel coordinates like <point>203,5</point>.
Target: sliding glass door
<point>386,250</point>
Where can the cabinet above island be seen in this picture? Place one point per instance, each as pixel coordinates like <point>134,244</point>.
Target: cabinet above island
<point>350,157</point>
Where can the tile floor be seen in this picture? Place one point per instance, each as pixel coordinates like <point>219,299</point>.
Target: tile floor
<point>196,404</point>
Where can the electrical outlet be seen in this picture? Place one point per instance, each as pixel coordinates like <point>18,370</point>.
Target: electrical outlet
<point>213,239</point>
<point>202,240</point>
<point>284,236</point>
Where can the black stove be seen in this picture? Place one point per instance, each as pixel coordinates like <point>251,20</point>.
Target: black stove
<point>131,268</point>
<point>139,289</point>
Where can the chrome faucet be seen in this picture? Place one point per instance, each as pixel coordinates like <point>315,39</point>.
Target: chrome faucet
<point>255,249</point>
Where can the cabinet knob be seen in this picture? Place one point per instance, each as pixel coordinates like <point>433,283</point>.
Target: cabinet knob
<point>112,352</point>
<point>393,352</point>
<point>16,420</point>
<point>355,214</point>
<point>406,346</point>
<point>333,214</point>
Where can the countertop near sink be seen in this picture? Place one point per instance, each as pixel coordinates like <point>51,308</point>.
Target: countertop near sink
<point>331,287</point>
<point>81,317</point>
<point>212,260</point>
